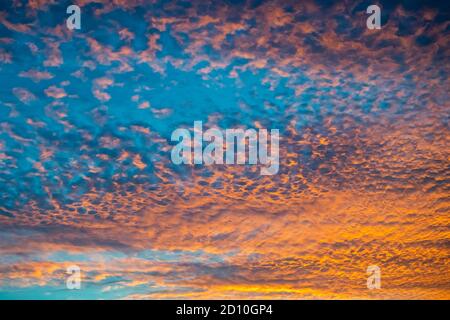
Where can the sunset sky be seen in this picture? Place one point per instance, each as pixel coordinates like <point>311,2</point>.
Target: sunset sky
<point>86,176</point>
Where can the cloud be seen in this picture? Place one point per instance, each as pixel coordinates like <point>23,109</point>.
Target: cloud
<point>87,177</point>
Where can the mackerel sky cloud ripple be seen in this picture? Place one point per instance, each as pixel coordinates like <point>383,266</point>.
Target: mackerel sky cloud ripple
<point>86,176</point>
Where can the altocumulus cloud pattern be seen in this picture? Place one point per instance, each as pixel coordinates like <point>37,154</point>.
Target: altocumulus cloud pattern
<point>86,177</point>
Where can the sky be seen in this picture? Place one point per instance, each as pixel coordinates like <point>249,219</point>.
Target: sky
<point>86,176</point>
